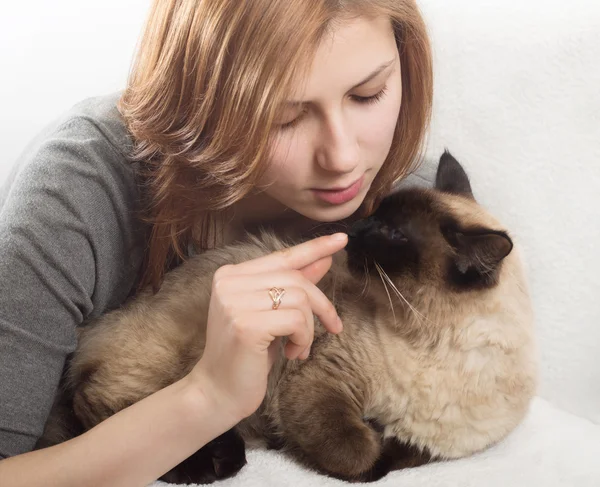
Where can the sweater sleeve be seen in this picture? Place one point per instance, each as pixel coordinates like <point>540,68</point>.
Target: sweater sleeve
<point>69,250</point>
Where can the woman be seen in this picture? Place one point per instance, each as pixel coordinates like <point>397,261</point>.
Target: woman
<point>273,112</point>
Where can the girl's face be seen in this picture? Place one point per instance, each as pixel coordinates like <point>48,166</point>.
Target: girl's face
<point>336,132</point>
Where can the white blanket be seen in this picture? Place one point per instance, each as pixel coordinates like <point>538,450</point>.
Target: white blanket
<point>551,448</point>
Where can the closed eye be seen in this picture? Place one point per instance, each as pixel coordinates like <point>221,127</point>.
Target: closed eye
<point>370,99</point>
<point>359,99</point>
<point>291,123</point>
<point>398,236</point>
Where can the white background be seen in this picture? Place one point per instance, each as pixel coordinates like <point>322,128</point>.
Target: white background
<point>55,53</point>
<point>517,101</point>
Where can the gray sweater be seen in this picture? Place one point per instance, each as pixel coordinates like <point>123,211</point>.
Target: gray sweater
<point>70,249</point>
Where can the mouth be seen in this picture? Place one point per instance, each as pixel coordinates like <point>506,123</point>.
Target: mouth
<point>340,195</point>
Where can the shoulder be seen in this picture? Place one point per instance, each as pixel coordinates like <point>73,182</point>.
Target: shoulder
<point>74,201</point>
<point>97,119</point>
<point>90,139</point>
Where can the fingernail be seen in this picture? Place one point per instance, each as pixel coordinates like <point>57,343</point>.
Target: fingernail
<point>340,324</point>
<point>339,236</point>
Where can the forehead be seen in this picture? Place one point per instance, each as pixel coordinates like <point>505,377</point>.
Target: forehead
<point>469,213</point>
<point>409,203</point>
<point>352,48</point>
<point>434,206</point>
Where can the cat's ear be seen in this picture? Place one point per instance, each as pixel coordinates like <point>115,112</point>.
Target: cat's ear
<point>482,251</point>
<point>478,255</point>
<point>451,177</point>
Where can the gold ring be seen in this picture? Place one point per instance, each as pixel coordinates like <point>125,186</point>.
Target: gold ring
<point>276,294</point>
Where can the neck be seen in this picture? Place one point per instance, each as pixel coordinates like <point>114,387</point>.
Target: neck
<point>259,210</point>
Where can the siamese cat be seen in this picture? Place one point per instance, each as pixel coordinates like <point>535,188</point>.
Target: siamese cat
<point>437,359</point>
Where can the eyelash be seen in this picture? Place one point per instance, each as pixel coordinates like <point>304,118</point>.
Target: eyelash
<point>289,125</point>
<point>370,99</point>
<point>365,100</point>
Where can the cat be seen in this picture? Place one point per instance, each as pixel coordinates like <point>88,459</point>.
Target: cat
<point>437,359</point>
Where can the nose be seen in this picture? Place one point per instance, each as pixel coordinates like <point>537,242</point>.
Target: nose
<point>364,227</point>
<point>338,150</point>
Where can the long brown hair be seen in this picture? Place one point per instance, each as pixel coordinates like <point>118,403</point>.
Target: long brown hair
<point>203,94</point>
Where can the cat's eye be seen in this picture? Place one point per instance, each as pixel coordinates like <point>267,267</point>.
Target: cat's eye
<point>397,235</point>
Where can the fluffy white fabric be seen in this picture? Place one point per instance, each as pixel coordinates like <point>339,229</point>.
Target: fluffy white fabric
<point>551,448</point>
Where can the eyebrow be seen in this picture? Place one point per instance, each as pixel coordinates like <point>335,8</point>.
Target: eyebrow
<point>374,74</point>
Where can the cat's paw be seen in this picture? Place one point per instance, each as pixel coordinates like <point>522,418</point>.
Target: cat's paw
<point>223,457</point>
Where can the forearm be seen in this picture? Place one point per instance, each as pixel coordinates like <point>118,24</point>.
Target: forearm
<point>132,448</point>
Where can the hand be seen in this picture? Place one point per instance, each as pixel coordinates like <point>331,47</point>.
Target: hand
<point>243,331</point>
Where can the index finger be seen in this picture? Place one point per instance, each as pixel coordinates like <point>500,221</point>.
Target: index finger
<point>296,257</point>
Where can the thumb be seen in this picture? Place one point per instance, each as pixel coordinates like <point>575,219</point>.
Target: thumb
<point>314,272</point>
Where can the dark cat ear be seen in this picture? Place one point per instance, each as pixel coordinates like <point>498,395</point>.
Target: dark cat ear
<point>478,256</point>
<point>451,177</point>
<point>482,251</point>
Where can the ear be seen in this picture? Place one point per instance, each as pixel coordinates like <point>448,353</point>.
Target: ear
<point>451,177</point>
<point>482,251</point>
<point>479,253</point>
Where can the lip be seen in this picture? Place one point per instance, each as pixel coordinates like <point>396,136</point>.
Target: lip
<point>338,196</point>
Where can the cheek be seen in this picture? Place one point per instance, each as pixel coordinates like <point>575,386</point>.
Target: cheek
<point>286,163</point>
<point>378,127</point>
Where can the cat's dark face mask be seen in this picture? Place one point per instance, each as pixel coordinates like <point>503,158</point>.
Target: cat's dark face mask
<point>414,238</point>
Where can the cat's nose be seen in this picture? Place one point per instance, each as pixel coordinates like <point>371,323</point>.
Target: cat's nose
<point>362,227</point>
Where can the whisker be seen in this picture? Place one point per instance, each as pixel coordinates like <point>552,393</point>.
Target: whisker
<point>367,278</point>
<point>401,296</point>
<point>379,270</point>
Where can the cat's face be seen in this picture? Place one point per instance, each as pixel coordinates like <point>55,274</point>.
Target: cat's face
<point>436,238</point>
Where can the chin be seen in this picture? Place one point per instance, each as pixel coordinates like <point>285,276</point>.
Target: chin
<point>328,214</point>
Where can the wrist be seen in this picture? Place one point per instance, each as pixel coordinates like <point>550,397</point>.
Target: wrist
<point>203,397</point>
